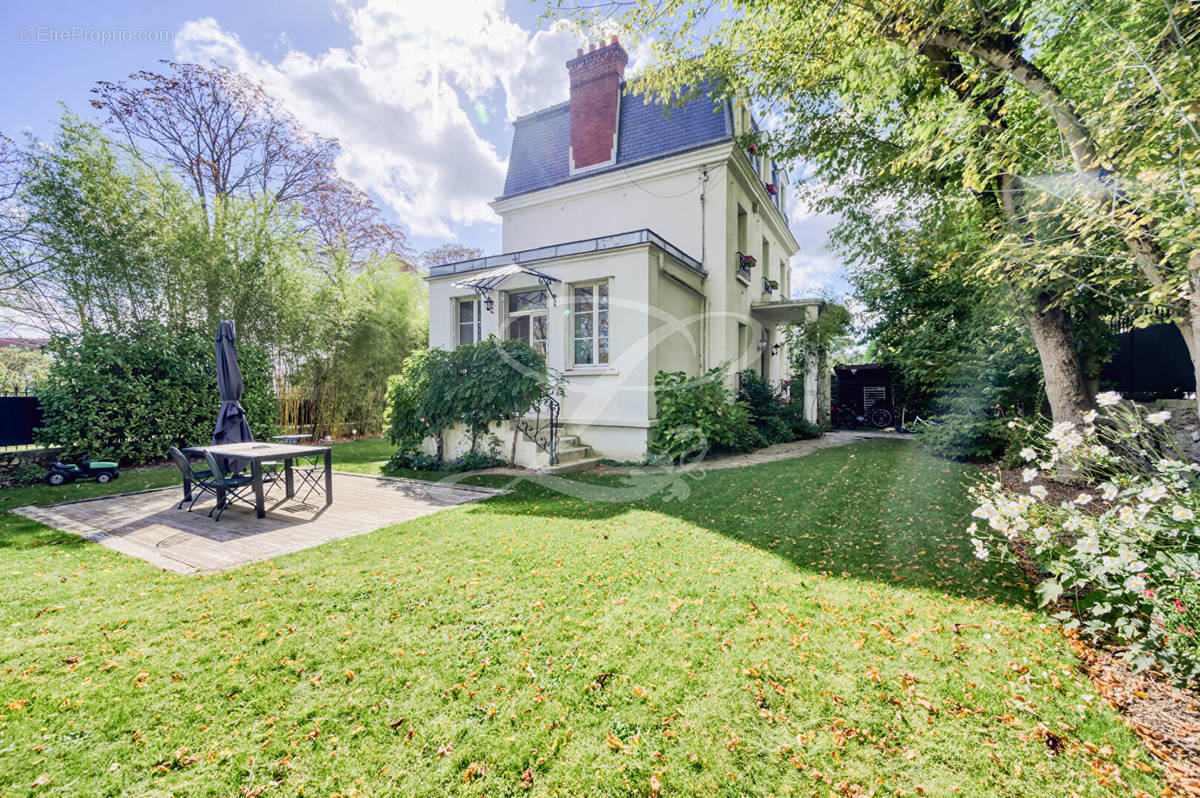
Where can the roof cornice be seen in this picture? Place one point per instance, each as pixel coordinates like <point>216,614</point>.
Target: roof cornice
<point>583,185</point>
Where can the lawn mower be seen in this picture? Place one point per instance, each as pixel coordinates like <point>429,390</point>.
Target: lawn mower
<point>83,468</point>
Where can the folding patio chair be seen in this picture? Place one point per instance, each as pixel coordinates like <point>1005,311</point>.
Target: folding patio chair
<point>196,478</point>
<point>234,487</point>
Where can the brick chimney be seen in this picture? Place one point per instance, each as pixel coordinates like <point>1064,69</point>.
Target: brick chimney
<point>596,104</point>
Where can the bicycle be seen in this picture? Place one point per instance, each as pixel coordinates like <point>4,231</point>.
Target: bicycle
<point>846,416</point>
<point>916,424</point>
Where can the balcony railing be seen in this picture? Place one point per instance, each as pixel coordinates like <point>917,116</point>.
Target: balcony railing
<point>744,264</point>
<point>768,286</point>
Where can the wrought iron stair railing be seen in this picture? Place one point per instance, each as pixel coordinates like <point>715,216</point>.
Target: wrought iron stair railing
<point>542,426</point>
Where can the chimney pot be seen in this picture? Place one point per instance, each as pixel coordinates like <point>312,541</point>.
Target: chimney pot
<point>578,51</point>
<point>614,39</point>
<point>591,47</point>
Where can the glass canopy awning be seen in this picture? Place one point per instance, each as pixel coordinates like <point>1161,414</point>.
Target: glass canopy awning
<point>483,282</point>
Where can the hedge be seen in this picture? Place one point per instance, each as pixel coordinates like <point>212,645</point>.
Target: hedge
<point>128,395</point>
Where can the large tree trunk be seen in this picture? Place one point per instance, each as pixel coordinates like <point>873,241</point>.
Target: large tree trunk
<point>1054,338</point>
<point>1052,331</point>
<point>1005,56</point>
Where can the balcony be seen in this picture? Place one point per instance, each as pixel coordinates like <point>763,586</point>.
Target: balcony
<point>769,286</point>
<point>744,264</point>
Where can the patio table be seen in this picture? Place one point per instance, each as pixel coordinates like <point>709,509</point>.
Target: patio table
<point>256,454</point>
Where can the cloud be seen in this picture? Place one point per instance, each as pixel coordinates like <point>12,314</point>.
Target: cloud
<point>401,99</point>
<point>815,270</point>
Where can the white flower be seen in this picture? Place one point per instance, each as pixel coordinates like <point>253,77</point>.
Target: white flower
<point>1083,499</point>
<point>980,550</point>
<point>1072,523</point>
<point>1126,514</point>
<point>1135,584</point>
<point>1109,491</point>
<point>1038,491</point>
<point>1137,566</point>
<point>1029,474</point>
<point>973,528</point>
<point>1087,545</point>
<point>1090,417</point>
<point>1109,561</point>
<point>1099,450</point>
<point>1159,418</point>
<point>1041,534</point>
<point>1108,398</point>
<point>1181,513</point>
<point>1029,454</point>
<point>1153,493</point>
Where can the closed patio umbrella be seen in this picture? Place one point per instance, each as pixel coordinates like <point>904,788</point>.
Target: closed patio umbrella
<point>232,426</point>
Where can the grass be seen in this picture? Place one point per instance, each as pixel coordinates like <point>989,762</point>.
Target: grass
<point>815,626</point>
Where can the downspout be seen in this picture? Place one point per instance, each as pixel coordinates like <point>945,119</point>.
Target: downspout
<point>704,266</point>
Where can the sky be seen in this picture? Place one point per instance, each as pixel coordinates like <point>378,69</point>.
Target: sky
<point>420,94</point>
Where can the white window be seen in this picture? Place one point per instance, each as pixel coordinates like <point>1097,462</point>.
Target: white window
<point>470,323</point>
<point>589,324</point>
<point>527,318</point>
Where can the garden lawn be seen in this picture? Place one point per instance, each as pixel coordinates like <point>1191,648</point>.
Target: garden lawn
<point>815,625</point>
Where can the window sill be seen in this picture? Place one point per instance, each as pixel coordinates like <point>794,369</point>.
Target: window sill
<point>585,371</point>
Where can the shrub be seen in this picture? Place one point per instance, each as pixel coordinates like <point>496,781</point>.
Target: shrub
<point>468,461</point>
<point>128,395</point>
<point>793,415</point>
<point>970,437</point>
<point>697,415</point>
<point>475,385</point>
<point>778,421</point>
<point>26,474</point>
<point>1126,547</point>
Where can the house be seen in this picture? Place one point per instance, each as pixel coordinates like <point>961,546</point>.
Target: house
<point>637,237</point>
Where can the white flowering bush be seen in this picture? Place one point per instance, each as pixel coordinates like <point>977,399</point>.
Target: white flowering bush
<point>1108,508</point>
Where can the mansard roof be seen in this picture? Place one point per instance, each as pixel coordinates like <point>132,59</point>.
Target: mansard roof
<point>646,132</point>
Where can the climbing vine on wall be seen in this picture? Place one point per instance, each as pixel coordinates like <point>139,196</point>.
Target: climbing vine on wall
<point>809,342</point>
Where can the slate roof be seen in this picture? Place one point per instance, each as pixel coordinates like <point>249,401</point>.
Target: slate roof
<point>541,140</point>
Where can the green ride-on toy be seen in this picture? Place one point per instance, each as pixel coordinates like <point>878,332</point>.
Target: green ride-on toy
<point>83,468</point>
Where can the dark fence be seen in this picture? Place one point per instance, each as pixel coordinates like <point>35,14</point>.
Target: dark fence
<point>20,413</point>
<point>1150,363</point>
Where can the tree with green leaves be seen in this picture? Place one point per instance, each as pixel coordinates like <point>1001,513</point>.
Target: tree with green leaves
<point>1043,114</point>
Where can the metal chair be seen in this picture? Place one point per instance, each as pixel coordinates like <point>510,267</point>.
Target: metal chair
<point>228,489</point>
<point>196,478</point>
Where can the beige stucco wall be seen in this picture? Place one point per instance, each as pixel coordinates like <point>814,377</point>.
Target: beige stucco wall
<point>663,315</point>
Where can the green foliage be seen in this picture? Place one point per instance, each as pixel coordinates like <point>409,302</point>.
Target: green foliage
<point>475,385</point>
<point>1122,544</point>
<point>128,396</point>
<point>22,367</point>
<point>467,461</point>
<point>697,415</point>
<point>792,414</point>
<point>366,322</point>
<point>115,237</point>
<point>969,437</point>
<point>26,474</point>
<point>766,409</point>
